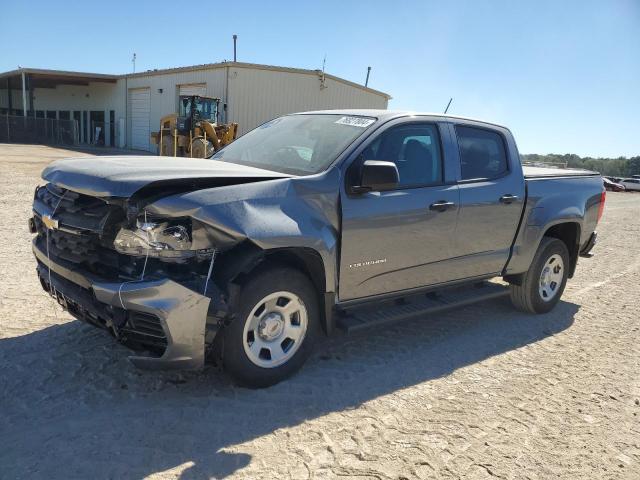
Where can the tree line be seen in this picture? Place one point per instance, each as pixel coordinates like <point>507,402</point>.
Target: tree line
<point>614,167</point>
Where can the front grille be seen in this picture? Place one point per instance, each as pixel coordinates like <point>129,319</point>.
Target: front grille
<point>75,248</point>
<point>64,201</point>
<point>76,212</point>
<point>85,232</point>
<point>82,249</point>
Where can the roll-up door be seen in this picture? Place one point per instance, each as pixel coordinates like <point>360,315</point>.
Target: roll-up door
<point>199,89</point>
<point>140,102</point>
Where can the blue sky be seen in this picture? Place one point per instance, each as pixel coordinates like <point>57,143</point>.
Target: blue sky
<point>563,75</point>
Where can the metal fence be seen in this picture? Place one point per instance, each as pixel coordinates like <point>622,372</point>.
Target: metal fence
<point>17,129</point>
<point>104,134</point>
<point>20,129</point>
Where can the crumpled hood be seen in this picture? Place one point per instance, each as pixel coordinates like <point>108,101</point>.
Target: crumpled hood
<point>122,176</point>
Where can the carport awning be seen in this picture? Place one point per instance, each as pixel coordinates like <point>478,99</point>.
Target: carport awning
<point>26,79</point>
<point>37,78</point>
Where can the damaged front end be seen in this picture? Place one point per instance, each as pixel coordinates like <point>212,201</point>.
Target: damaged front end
<point>130,246</point>
<point>144,278</point>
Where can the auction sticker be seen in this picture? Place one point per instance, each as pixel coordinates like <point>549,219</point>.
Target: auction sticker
<point>361,122</point>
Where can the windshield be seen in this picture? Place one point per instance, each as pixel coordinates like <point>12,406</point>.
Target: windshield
<point>205,108</point>
<point>296,144</point>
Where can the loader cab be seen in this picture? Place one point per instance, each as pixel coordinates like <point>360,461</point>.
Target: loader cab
<point>194,108</point>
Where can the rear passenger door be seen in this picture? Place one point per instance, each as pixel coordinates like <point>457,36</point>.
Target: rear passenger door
<point>491,199</point>
<point>400,238</point>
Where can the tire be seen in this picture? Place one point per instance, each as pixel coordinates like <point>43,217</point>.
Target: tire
<point>277,312</point>
<point>201,148</point>
<point>538,295</point>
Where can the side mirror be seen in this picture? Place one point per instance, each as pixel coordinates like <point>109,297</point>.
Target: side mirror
<point>378,175</point>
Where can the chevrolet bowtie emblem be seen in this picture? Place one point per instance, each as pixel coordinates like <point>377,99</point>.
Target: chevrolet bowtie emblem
<point>50,222</point>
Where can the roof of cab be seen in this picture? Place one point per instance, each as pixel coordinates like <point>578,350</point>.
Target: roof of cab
<point>385,115</point>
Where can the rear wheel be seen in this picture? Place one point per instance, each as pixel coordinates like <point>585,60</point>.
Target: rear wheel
<point>544,282</point>
<point>276,325</point>
<point>167,146</point>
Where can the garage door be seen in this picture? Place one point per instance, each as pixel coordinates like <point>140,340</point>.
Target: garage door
<point>193,89</point>
<point>140,100</point>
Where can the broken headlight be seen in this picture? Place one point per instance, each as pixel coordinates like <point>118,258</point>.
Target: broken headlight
<point>168,238</point>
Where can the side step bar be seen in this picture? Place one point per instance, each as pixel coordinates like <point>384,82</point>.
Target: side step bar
<point>355,320</point>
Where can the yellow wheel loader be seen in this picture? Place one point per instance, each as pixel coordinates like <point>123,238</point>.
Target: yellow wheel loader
<point>193,131</point>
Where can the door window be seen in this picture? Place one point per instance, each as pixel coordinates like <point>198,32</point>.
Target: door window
<point>415,149</point>
<point>482,153</point>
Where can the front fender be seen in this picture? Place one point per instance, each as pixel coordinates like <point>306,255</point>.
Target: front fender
<point>299,212</point>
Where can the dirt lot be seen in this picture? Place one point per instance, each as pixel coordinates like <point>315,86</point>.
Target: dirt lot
<point>476,393</point>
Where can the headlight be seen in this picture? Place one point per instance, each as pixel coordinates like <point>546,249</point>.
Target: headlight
<point>166,238</point>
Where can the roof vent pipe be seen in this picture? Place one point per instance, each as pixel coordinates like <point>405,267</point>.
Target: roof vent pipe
<point>235,39</point>
<point>366,82</point>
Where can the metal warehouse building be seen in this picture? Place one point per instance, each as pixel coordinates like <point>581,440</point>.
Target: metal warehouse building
<point>127,108</point>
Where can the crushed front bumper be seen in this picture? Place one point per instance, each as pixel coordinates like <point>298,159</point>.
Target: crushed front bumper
<point>167,314</point>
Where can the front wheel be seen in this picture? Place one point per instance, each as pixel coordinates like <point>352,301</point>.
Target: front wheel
<point>201,148</point>
<point>276,325</point>
<point>544,282</point>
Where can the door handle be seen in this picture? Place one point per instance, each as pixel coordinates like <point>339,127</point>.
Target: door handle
<point>441,206</point>
<point>508,198</point>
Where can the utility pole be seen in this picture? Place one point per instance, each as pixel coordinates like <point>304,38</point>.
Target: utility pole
<point>322,78</point>
<point>366,82</point>
<point>133,60</point>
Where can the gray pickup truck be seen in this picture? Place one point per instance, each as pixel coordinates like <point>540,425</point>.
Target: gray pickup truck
<point>311,223</point>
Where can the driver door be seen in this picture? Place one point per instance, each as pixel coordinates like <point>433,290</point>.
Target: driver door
<point>399,239</point>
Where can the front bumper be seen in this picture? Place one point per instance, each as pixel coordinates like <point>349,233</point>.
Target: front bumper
<point>124,307</point>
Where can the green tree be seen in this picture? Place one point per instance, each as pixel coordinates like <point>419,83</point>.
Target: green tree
<point>633,166</point>
<point>615,167</point>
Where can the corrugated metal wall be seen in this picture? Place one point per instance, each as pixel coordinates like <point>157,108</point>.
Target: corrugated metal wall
<point>258,95</point>
<point>255,94</point>
<point>164,90</point>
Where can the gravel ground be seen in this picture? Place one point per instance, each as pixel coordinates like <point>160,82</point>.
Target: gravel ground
<point>480,392</point>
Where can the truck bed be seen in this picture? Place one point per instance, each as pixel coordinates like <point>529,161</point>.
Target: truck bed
<point>547,172</point>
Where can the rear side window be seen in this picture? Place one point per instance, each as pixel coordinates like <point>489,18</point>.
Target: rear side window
<point>482,153</point>
<point>415,149</point>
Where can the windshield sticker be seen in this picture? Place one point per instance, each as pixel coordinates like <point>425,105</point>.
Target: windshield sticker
<point>356,121</point>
